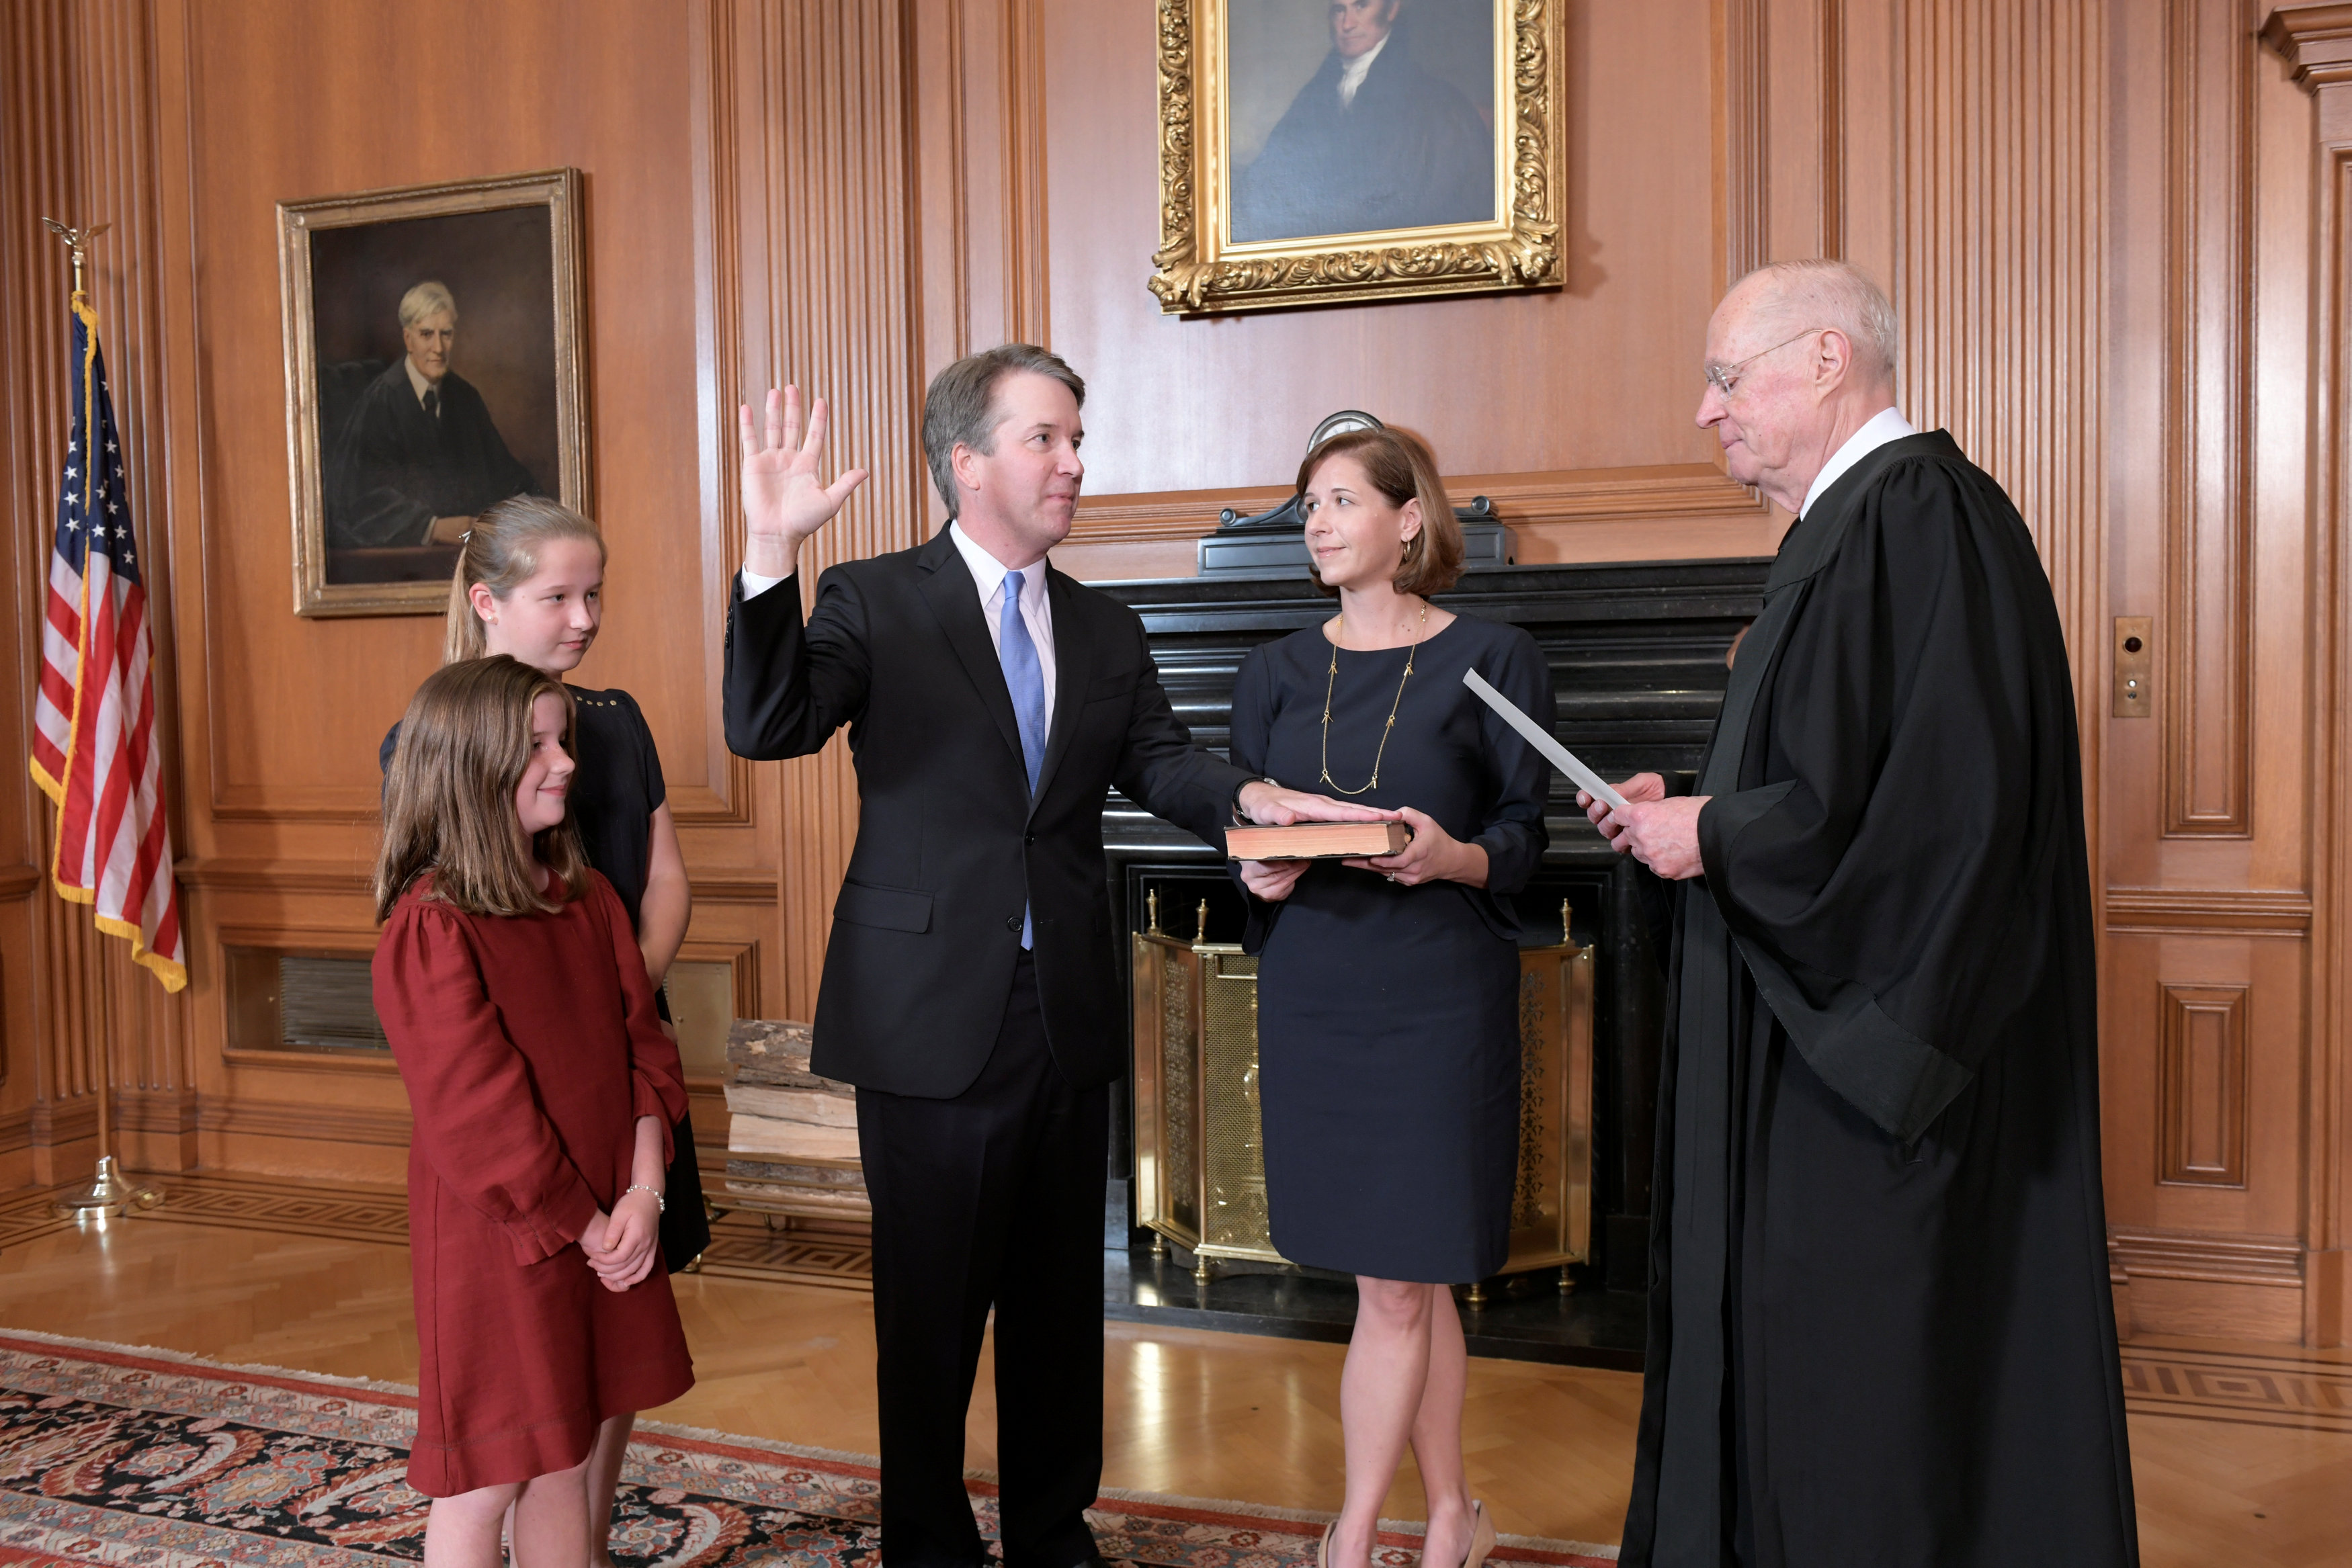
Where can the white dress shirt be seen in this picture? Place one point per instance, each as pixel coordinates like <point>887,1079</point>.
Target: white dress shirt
<point>1352,74</point>
<point>1887,425</point>
<point>988,576</point>
<point>417,381</point>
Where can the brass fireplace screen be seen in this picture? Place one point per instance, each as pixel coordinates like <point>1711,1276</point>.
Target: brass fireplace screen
<point>1201,1164</point>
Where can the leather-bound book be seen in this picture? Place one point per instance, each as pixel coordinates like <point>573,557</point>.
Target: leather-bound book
<point>1317,840</point>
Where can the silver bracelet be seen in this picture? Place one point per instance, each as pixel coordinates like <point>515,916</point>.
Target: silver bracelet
<point>659,1207</point>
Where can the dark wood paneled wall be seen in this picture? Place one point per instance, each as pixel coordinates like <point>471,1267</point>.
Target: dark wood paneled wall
<point>2126,304</point>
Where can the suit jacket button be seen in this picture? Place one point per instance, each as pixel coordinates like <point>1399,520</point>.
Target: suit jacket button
<point>1013,924</point>
<point>1030,839</point>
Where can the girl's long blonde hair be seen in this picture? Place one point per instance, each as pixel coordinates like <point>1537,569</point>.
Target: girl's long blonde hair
<point>502,550</point>
<point>449,798</point>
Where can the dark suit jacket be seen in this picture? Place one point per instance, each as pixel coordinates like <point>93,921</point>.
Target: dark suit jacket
<point>397,468</point>
<point>1412,150</point>
<point>928,927</point>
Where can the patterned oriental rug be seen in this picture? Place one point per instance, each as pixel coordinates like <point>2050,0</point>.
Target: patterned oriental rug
<point>145,1458</point>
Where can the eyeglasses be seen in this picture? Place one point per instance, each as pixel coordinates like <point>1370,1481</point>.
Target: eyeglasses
<point>1725,379</point>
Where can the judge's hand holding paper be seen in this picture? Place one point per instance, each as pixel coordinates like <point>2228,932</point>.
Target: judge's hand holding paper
<point>1658,830</point>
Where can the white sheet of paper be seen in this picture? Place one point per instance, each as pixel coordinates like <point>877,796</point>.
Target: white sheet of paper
<point>1553,752</point>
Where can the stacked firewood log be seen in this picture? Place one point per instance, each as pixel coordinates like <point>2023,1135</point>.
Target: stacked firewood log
<point>792,1144</point>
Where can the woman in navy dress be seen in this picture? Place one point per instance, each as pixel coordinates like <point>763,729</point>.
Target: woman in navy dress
<point>1387,1018</point>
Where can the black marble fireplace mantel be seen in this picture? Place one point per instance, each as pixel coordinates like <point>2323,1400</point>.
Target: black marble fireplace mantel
<point>1636,652</point>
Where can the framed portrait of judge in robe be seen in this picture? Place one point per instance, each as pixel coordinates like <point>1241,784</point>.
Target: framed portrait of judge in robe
<point>1327,151</point>
<point>433,367</point>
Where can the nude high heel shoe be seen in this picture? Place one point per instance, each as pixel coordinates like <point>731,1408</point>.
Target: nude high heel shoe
<point>1481,1539</point>
<point>1323,1547</point>
<point>1482,1536</point>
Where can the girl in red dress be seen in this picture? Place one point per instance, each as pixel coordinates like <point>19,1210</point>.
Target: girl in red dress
<point>543,1090</point>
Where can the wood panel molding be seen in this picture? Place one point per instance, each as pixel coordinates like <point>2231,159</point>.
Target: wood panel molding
<point>2201,1089</point>
<point>1831,46</point>
<point>2001,108</point>
<point>760,888</point>
<point>2217,910</point>
<point>742,961</point>
<point>825,256</point>
<point>295,876</point>
<point>1028,313</point>
<point>1743,164</point>
<point>2269,1260</point>
<point>383,1127</point>
<point>2316,41</point>
<point>1593,496</point>
<point>168,1112</point>
<point>719,333</point>
<point>234,875</point>
<point>2208,626</point>
<point>339,1063</point>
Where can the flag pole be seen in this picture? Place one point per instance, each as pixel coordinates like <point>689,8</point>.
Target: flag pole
<point>108,1192</point>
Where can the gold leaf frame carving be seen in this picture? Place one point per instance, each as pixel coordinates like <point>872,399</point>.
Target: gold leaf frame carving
<point>1196,272</point>
<point>557,190</point>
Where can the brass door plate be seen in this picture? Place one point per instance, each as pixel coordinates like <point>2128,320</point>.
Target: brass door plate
<point>2134,666</point>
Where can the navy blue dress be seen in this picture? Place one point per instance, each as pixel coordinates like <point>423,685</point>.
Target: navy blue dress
<point>1388,1016</point>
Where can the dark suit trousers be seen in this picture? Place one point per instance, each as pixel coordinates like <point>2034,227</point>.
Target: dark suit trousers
<point>992,1198</point>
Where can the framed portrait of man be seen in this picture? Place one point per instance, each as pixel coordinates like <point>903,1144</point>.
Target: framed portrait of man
<point>433,367</point>
<point>1325,151</point>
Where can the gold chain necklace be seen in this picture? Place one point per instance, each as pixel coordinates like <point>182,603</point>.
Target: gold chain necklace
<point>1413,648</point>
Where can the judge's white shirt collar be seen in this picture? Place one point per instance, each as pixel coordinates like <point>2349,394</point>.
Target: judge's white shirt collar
<point>1352,73</point>
<point>418,382</point>
<point>1887,425</point>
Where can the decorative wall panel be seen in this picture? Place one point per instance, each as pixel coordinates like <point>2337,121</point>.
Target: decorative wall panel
<point>2208,568</point>
<point>2202,1086</point>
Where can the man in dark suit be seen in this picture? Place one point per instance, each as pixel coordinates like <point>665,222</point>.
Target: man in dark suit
<point>971,987</point>
<point>1372,141</point>
<point>419,454</point>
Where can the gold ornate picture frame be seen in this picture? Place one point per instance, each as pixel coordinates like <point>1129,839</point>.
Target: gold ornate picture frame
<point>434,365</point>
<point>1234,228</point>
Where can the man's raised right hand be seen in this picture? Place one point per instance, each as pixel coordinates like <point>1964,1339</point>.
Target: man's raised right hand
<point>785,501</point>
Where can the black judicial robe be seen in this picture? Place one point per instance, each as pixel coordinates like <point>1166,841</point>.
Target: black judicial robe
<point>1880,1325</point>
<point>397,467</point>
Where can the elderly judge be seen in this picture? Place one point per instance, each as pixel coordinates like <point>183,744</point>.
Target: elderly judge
<point>420,454</point>
<point>1880,1326</point>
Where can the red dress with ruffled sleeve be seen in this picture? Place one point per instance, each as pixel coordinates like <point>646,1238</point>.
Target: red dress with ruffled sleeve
<point>529,1046</point>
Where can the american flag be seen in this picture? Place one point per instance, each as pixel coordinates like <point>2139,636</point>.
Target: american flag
<point>94,718</point>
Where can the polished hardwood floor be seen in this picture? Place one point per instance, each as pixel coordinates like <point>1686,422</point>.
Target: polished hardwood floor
<point>1196,1414</point>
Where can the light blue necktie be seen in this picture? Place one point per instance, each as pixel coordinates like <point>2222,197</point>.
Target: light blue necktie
<point>1024,678</point>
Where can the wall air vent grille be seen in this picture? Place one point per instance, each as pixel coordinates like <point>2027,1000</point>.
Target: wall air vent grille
<point>328,1004</point>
